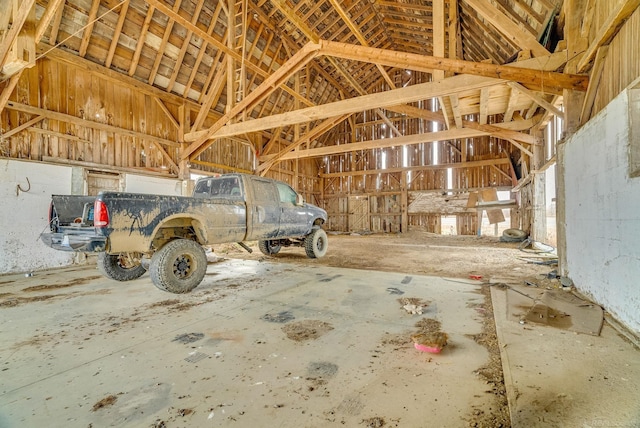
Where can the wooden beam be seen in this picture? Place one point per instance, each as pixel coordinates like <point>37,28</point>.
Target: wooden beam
<point>536,98</point>
<point>142,38</point>
<point>163,44</point>
<point>211,96</point>
<point>22,127</point>
<point>162,7</point>
<point>166,111</point>
<point>8,90</point>
<point>295,63</point>
<point>484,105</point>
<point>594,82</point>
<point>87,123</point>
<point>220,166</point>
<point>429,137</point>
<point>393,97</point>
<point>471,164</point>
<point>311,135</point>
<point>47,16</point>
<point>623,10</point>
<point>508,28</point>
<point>88,29</point>
<point>61,56</point>
<point>20,16</point>
<point>55,25</point>
<point>534,73</point>
<point>183,50</point>
<point>116,33</point>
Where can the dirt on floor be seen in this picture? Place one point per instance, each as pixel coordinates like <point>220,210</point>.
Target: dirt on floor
<point>483,259</point>
<point>423,253</point>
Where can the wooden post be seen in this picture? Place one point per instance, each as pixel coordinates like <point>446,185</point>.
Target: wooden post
<point>404,203</point>
<point>539,213</point>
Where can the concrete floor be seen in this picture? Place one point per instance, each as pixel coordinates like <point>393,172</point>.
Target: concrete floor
<point>259,343</point>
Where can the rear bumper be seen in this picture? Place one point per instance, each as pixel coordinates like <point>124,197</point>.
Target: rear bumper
<point>72,242</point>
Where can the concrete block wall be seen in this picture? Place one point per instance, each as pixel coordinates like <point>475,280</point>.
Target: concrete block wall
<point>603,213</point>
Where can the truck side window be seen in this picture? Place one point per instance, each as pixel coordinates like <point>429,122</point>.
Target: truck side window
<point>203,189</point>
<point>287,194</point>
<point>264,190</point>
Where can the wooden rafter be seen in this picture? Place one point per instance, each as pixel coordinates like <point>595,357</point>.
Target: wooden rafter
<point>536,75</point>
<point>23,14</point>
<point>183,49</point>
<point>88,29</point>
<point>393,97</point>
<point>511,30</point>
<point>299,60</point>
<point>162,7</point>
<point>163,44</point>
<point>116,33</point>
<point>141,40</point>
<point>53,8</point>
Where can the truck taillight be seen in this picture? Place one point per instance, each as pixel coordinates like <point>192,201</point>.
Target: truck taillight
<point>100,214</point>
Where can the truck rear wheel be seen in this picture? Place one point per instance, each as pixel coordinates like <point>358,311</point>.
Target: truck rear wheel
<point>179,266</point>
<point>121,267</point>
<point>315,243</point>
<point>267,249</point>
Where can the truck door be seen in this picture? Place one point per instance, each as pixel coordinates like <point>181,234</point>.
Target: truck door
<point>293,218</point>
<point>265,209</point>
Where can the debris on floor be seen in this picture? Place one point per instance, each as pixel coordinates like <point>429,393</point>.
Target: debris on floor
<point>555,308</point>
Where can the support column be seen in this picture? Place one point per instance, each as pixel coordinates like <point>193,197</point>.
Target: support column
<point>539,214</point>
<point>404,203</point>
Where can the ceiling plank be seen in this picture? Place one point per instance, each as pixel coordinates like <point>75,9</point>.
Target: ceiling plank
<point>623,10</point>
<point>533,73</point>
<point>507,27</point>
<point>88,29</point>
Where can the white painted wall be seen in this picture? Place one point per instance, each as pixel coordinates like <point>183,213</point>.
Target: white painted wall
<point>155,185</point>
<point>603,214</point>
<point>24,216</point>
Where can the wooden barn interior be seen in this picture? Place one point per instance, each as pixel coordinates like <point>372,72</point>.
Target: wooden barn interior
<point>398,117</point>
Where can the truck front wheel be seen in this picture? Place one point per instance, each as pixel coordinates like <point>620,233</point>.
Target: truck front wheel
<point>179,266</point>
<point>267,248</point>
<point>121,267</point>
<point>315,243</point>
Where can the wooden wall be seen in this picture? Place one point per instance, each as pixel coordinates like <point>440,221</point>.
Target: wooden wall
<point>621,65</point>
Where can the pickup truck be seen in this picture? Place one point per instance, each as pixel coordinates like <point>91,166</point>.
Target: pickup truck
<point>133,232</point>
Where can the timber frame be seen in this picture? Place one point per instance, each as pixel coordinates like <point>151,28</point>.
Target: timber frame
<point>384,96</point>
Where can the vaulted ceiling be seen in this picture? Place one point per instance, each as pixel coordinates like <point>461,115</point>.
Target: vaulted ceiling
<point>265,66</point>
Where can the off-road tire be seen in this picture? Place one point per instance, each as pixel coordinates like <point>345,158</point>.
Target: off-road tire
<point>513,235</point>
<point>316,243</point>
<point>267,249</point>
<point>113,266</point>
<point>179,266</point>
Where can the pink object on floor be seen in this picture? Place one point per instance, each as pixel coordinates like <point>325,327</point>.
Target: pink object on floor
<point>425,348</point>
